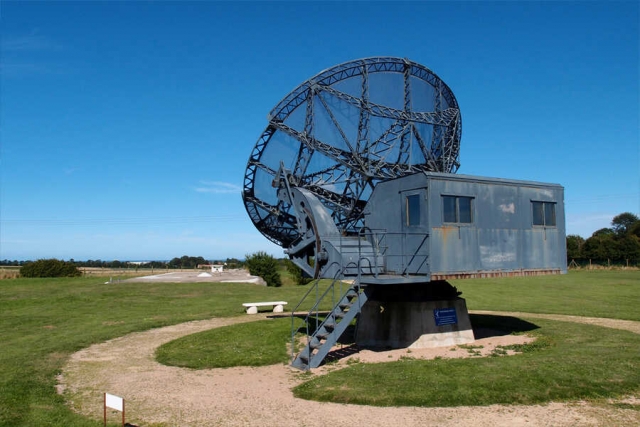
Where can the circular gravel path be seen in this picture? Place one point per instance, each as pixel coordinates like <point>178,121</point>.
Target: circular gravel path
<point>162,395</point>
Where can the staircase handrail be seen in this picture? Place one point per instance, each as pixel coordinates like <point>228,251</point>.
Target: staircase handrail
<point>314,308</point>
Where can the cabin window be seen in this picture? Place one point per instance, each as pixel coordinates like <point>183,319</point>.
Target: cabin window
<point>413,209</point>
<point>544,213</point>
<point>457,209</point>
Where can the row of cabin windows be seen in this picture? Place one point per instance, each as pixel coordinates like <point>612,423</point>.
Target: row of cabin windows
<point>459,209</point>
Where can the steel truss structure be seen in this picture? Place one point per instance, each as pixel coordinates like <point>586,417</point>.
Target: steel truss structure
<point>344,130</point>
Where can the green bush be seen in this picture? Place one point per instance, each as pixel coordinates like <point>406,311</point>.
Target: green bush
<point>50,268</point>
<point>296,273</point>
<point>264,265</point>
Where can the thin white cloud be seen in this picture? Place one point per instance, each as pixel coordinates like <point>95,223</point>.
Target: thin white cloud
<point>31,42</point>
<point>30,54</point>
<point>218,187</point>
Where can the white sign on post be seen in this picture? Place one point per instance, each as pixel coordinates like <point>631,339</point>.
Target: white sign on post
<point>113,402</point>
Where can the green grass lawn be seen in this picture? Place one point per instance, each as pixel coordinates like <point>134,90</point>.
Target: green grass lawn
<point>600,293</point>
<point>43,321</point>
<point>245,344</point>
<point>569,361</point>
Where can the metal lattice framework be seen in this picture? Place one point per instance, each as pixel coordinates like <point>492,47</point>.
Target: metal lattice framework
<point>344,130</point>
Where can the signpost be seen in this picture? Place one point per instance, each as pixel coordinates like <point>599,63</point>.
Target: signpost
<point>113,402</point>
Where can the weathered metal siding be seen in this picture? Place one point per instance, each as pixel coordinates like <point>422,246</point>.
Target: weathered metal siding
<point>501,240</point>
<point>502,237</point>
<point>405,247</point>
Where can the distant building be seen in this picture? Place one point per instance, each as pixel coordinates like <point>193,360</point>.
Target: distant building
<point>215,268</point>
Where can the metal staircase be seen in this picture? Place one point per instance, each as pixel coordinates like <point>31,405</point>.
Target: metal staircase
<point>328,331</point>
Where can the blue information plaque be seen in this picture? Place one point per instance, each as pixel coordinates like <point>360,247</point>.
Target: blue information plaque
<point>445,316</point>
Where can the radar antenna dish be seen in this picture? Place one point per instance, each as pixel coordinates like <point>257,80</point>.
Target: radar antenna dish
<point>344,130</point>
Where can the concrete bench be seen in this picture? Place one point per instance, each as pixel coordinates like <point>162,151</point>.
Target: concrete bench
<point>252,307</point>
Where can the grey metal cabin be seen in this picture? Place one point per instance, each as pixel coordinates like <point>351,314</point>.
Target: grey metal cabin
<point>436,226</point>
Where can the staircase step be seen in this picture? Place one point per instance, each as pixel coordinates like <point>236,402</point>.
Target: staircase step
<point>323,339</point>
<point>304,356</point>
<point>300,364</point>
<point>322,335</point>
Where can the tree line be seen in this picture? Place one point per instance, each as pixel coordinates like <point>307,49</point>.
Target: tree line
<point>259,264</point>
<point>618,244</point>
<point>183,262</point>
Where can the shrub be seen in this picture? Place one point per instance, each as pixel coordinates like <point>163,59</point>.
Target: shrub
<point>49,268</point>
<point>296,272</point>
<point>264,265</point>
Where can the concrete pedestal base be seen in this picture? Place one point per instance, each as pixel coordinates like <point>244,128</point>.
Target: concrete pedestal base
<point>414,324</point>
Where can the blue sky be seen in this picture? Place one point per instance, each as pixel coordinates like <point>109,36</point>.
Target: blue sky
<point>126,126</point>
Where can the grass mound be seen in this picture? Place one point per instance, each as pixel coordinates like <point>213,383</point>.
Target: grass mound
<point>576,362</point>
<point>248,344</point>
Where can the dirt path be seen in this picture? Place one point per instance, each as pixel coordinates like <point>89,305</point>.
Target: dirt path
<point>158,394</point>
